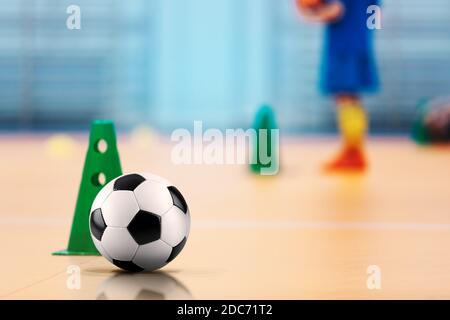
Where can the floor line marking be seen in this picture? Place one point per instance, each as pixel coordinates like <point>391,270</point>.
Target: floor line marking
<point>320,225</point>
<point>37,282</point>
<point>281,224</point>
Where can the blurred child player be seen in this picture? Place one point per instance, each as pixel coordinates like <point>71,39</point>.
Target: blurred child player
<point>348,70</point>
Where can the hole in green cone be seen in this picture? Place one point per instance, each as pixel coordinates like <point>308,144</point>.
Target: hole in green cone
<point>98,179</point>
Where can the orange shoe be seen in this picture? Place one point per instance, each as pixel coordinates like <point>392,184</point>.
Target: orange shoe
<point>349,160</point>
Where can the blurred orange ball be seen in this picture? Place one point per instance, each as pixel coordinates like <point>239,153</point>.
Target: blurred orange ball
<point>309,4</point>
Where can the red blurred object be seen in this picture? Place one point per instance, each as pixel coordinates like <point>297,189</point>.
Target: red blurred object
<point>309,4</point>
<point>349,160</point>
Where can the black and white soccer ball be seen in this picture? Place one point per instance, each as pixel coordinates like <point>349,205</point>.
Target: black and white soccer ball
<point>139,222</point>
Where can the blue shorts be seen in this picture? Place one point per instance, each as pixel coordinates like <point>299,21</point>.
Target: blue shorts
<point>349,72</point>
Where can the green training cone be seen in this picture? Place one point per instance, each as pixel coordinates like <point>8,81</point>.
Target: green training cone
<point>102,163</point>
<point>266,147</point>
<point>419,130</point>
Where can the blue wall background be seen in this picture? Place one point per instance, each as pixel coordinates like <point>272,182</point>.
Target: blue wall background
<point>167,63</point>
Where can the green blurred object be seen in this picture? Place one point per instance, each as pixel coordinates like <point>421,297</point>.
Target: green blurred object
<point>265,120</point>
<point>102,162</point>
<point>419,131</point>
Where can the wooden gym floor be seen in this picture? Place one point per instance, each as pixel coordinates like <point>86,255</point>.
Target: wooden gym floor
<point>300,235</point>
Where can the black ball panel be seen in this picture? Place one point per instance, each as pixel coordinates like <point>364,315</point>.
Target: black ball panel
<point>145,227</point>
<point>97,224</point>
<point>178,199</point>
<point>176,250</point>
<point>127,265</point>
<point>128,182</point>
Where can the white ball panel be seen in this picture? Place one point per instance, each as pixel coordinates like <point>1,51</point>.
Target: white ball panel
<point>154,177</point>
<point>102,195</point>
<point>119,208</point>
<point>100,249</point>
<point>119,244</point>
<point>153,197</point>
<point>153,255</point>
<point>188,223</point>
<point>173,226</point>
